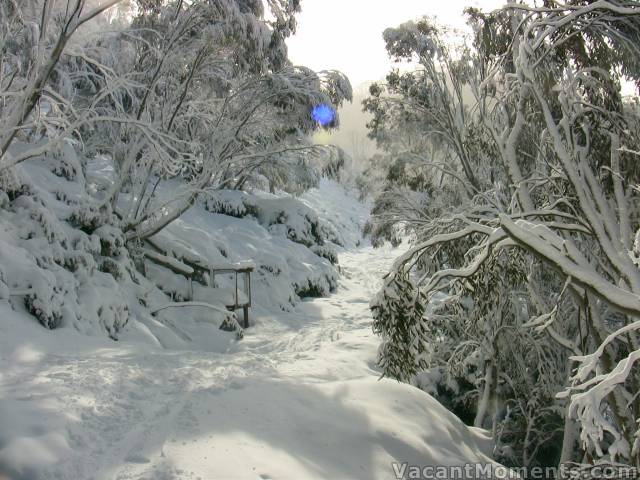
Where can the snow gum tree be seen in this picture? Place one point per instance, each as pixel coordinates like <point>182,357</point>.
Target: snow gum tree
<point>530,277</point>
<point>194,95</point>
<point>34,38</point>
<point>213,82</point>
<point>140,107</point>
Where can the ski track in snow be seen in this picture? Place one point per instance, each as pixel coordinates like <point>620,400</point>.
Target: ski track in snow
<point>285,404</point>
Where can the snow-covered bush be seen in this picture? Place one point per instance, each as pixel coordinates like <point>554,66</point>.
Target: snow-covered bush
<point>398,311</point>
<point>281,236</point>
<point>287,217</point>
<point>234,203</point>
<point>54,267</point>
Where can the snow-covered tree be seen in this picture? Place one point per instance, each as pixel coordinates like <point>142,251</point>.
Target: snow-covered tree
<point>38,98</point>
<point>435,154</point>
<point>215,76</point>
<point>199,93</point>
<point>561,195</point>
<point>135,108</point>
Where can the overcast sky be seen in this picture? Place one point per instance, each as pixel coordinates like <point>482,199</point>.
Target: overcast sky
<point>346,35</point>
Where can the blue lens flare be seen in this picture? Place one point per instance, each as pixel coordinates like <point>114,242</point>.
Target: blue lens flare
<point>323,114</point>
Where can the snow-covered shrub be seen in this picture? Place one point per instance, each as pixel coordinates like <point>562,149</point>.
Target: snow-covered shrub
<point>287,217</point>
<point>11,184</point>
<point>234,203</point>
<point>321,287</point>
<point>54,265</point>
<point>230,324</point>
<point>63,162</point>
<point>105,302</point>
<point>111,239</point>
<point>281,237</point>
<point>325,251</point>
<point>89,217</point>
<point>4,287</point>
<point>4,199</point>
<point>297,221</point>
<point>45,300</point>
<point>398,312</point>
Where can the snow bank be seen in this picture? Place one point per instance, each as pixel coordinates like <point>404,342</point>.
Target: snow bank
<point>65,266</point>
<point>292,243</point>
<point>338,207</point>
<point>298,398</point>
<point>279,242</point>
<point>64,263</point>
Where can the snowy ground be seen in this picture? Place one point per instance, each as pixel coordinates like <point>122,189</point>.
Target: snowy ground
<point>298,398</point>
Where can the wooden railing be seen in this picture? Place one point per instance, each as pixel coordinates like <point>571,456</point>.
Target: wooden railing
<point>194,272</point>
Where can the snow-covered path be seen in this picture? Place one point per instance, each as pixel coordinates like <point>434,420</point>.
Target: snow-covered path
<point>296,399</point>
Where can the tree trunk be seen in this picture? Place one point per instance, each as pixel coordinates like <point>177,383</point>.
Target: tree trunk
<point>570,438</point>
<point>483,404</point>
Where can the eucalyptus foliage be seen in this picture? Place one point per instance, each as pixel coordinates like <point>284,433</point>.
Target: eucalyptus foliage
<point>523,152</point>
